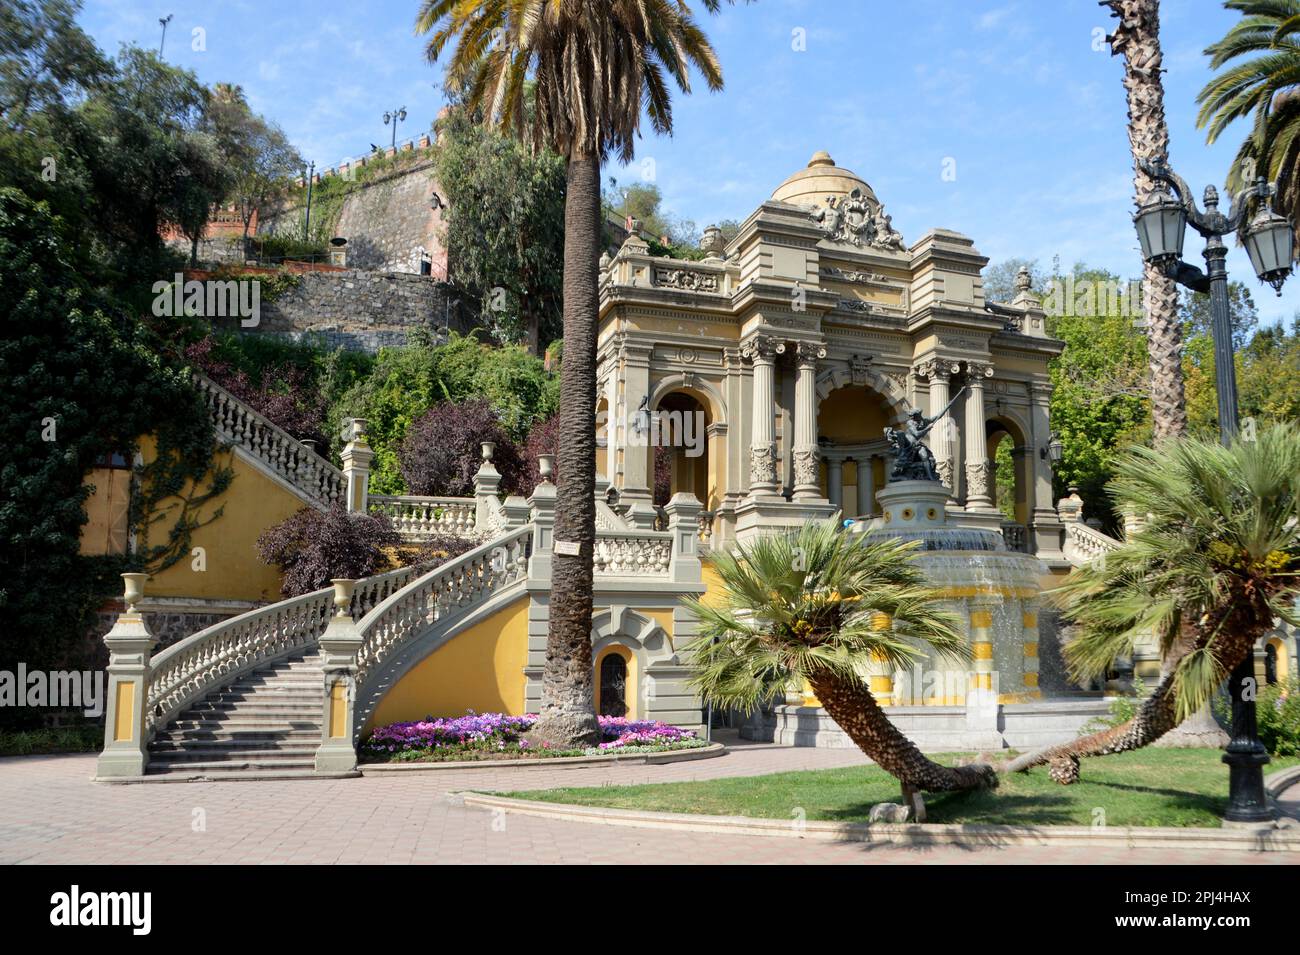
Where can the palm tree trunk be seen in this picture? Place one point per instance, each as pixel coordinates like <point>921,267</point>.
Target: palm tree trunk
<point>568,715</point>
<point>1237,633</point>
<point>853,708</point>
<point>1137,39</point>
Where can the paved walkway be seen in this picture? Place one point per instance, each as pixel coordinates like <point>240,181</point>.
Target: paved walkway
<point>50,812</point>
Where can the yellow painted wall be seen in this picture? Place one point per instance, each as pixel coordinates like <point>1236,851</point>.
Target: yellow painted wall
<point>851,414</point>
<point>480,669</point>
<point>252,503</point>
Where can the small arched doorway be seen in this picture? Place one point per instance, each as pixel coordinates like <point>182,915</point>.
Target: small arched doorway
<point>615,682</point>
<point>1011,477</point>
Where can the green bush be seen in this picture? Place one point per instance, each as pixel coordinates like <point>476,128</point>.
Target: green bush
<point>1278,712</point>
<point>43,742</point>
<point>278,247</point>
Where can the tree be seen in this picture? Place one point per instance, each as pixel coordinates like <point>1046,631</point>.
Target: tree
<point>505,226</point>
<point>1212,568</point>
<point>594,68</point>
<point>313,547</point>
<point>1262,56</point>
<point>260,158</point>
<point>1137,39</point>
<point>821,605</point>
<point>44,57</point>
<point>442,450</point>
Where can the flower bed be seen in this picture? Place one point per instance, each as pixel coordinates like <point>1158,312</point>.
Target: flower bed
<point>479,736</point>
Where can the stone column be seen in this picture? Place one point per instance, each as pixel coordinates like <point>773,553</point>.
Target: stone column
<point>638,478</point>
<point>684,522</point>
<point>1029,620</point>
<point>835,480</point>
<point>339,645</point>
<point>806,452</point>
<point>762,351</point>
<point>542,502</point>
<point>943,433</point>
<point>866,484</point>
<point>356,457</point>
<point>130,646</point>
<point>1044,522</point>
<point>979,470</point>
<point>487,483</point>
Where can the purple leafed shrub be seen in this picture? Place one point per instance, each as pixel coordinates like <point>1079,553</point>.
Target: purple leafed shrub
<point>312,547</point>
<point>441,452</point>
<point>284,394</point>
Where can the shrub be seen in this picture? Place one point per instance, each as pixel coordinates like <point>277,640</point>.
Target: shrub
<point>441,452</point>
<point>313,547</point>
<point>1278,711</point>
<point>284,392</point>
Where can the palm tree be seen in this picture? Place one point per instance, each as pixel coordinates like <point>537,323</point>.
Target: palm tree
<point>593,66</point>
<point>1213,567</point>
<point>820,605</point>
<point>1137,39</point>
<point>1262,82</point>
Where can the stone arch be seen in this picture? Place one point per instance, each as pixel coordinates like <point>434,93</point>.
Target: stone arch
<point>698,387</point>
<point>1007,425</point>
<point>641,640</point>
<point>840,376</point>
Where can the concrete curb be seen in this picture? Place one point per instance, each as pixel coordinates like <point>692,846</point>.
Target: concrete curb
<point>908,834</point>
<point>1276,783</point>
<point>564,762</point>
<point>236,776</point>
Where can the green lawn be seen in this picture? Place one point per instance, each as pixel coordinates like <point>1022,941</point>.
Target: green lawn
<point>1151,787</point>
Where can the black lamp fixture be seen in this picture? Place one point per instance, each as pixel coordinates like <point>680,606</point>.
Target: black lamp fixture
<point>1054,451</point>
<point>395,117</point>
<point>1269,241</point>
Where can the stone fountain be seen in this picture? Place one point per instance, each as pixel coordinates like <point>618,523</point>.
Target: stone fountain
<point>992,701</point>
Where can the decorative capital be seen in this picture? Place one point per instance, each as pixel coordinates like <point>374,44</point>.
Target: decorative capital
<point>976,370</point>
<point>936,369</point>
<point>809,353</point>
<point>762,348</point>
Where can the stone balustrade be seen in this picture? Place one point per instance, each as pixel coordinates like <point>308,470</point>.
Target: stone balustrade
<point>187,670</point>
<point>417,519</point>
<point>633,554</point>
<point>1084,543</point>
<point>284,455</point>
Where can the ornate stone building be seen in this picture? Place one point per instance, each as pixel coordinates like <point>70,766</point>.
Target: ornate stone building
<point>797,342</point>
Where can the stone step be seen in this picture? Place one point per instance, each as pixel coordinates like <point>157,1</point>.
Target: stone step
<point>222,750</point>
<point>224,733</point>
<point>218,768</point>
<point>275,695</point>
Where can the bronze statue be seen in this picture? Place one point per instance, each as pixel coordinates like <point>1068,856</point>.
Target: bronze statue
<point>913,461</point>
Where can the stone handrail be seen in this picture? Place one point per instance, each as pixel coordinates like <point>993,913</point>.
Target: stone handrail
<point>633,553</point>
<point>443,595</point>
<point>1084,543</point>
<point>193,667</point>
<point>418,518</point>
<point>238,424</point>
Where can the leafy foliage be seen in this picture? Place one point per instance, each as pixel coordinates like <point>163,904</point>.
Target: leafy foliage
<point>441,452</point>
<point>312,547</point>
<point>79,379</point>
<point>505,226</point>
<point>1220,536</point>
<point>793,604</point>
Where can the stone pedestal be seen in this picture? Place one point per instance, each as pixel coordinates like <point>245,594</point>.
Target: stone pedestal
<point>906,505</point>
<point>130,646</point>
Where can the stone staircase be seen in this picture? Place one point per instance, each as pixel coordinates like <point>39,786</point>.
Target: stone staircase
<point>267,722</point>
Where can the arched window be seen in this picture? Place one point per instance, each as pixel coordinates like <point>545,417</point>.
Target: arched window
<point>613,685</point>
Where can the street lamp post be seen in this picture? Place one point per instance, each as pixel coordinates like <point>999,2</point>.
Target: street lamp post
<point>395,117</point>
<point>1269,240</point>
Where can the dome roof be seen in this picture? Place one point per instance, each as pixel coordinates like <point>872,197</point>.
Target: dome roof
<point>821,178</point>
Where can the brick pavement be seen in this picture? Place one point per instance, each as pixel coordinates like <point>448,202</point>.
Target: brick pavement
<point>50,812</point>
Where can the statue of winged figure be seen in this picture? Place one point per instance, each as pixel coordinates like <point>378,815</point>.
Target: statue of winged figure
<point>913,461</point>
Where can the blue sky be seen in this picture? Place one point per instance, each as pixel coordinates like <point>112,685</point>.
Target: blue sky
<point>1013,94</point>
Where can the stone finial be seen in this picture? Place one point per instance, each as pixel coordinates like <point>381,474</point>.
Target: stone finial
<point>545,466</point>
<point>343,588</point>
<point>488,448</point>
<point>711,241</point>
<point>1023,280</point>
<point>134,590</point>
<point>1071,508</point>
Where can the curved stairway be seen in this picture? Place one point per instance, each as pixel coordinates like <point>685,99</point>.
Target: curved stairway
<point>267,721</point>
<point>247,696</point>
